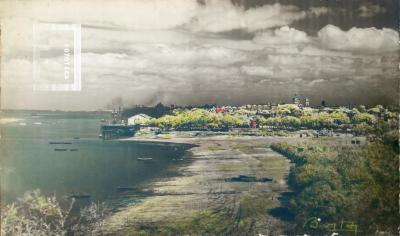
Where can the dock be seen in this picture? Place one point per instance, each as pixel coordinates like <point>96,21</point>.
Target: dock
<point>112,131</point>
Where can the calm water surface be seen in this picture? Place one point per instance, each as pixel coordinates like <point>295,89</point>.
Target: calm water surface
<point>88,164</point>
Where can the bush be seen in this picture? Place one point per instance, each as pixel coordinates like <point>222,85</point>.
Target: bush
<point>363,118</point>
<point>35,214</point>
<point>363,129</point>
<point>358,185</point>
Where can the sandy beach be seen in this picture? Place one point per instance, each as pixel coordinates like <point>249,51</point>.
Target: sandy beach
<point>203,190</point>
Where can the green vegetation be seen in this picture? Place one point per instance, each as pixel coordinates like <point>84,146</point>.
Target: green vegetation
<point>362,129</point>
<point>337,183</point>
<point>365,118</point>
<point>289,110</point>
<point>35,214</point>
<point>279,133</point>
<point>287,117</point>
<point>238,218</point>
<point>248,149</point>
<point>215,148</point>
<point>308,120</point>
<point>206,222</point>
<point>363,121</point>
<point>197,118</point>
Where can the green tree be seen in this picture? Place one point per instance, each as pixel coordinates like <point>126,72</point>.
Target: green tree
<point>363,128</point>
<point>288,109</point>
<point>362,108</point>
<point>291,121</point>
<point>363,118</point>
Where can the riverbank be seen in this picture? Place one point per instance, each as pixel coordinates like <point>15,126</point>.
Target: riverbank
<point>203,200</point>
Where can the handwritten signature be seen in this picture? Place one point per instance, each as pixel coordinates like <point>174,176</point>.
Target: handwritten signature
<point>315,223</point>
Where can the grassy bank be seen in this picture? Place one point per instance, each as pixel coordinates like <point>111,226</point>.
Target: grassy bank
<point>336,183</point>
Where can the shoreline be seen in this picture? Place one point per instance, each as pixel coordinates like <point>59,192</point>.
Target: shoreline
<point>201,185</point>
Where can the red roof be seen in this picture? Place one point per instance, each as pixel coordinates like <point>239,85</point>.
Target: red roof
<point>219,109</point>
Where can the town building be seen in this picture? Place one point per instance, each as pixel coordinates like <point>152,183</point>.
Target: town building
<point>137,119</point>
<point>296,100</point>
<point>307,102</point>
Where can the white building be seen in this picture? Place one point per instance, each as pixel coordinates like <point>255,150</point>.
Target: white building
<point>137,119</point>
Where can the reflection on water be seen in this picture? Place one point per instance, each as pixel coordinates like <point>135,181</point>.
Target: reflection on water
<point>60,153</point>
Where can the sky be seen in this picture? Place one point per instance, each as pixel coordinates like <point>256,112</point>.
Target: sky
<point>197,52</point>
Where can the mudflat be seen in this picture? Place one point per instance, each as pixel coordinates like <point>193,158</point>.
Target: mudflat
<point>203,199</point>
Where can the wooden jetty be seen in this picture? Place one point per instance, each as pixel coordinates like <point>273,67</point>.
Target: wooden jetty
<point>111,131</point>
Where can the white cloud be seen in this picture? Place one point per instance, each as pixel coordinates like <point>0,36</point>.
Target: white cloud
<point>318,11</point>
<point>181,72</point>
<point>213,16</point>
<point>219,16</point>
<point>137,15</point>
<point>107,40</point>
<point>314,82</point>
<point>283,35</point>
<point>142,50</point>
<point>371,10</point>
<point>195,54</point>
<point>257,70</point>
<point>359,39</point>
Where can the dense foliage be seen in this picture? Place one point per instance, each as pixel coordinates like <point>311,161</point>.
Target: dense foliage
<point>197,118</point>
<point>363,118</point>
<point>286,116</point>
<point>36,214</point>
<point>308,120</point>
<point>336,183</point>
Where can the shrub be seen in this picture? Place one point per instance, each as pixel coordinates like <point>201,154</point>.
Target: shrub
<point>35,214</point>
<point>359,185</point>
<point>363,118</point>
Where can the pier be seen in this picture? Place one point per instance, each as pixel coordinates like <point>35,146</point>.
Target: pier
<point>111,131</point>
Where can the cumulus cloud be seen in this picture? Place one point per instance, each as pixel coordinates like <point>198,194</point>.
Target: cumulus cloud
<point>318,11</point>
<point>212,16</point>
<point>196,73</point>
<point>358,39</point>
<point>196,54</point>
<point>219,16</point>
<point>179,51</point>
<point>283,35</point>
<point>371,10</point>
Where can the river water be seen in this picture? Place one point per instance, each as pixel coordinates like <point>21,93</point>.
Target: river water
<point>83,164</point>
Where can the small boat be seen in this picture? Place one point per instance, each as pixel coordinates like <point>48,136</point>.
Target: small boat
<point>60,149</point>
<point>144,158</point>
<point>247,178</point>
<point>37,123</point>
<point>76,138</point>
<point>73,149</point>
<point>60,143</point>
<point>127,188</point>
<point>78,195</point>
